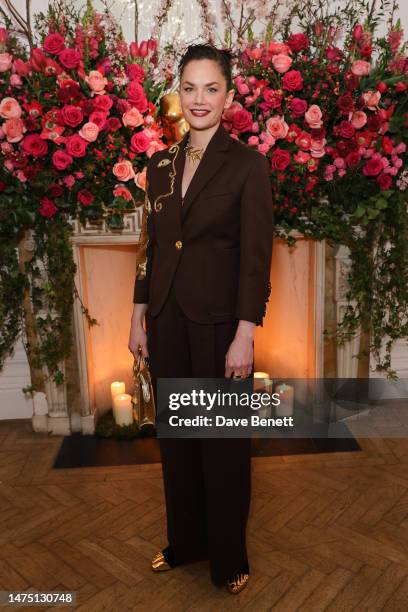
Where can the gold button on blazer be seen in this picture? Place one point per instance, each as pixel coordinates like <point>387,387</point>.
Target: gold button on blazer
<point>222,231</point>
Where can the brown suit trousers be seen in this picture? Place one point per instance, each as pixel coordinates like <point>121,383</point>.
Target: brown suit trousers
<point>206,480</point>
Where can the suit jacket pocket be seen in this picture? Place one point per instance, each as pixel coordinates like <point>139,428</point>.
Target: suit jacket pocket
<point>222,274</point>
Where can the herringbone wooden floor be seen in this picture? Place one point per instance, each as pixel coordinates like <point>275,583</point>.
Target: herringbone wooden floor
<point>326,532</point>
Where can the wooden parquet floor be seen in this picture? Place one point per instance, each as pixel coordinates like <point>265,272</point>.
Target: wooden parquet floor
<point>326,532</point>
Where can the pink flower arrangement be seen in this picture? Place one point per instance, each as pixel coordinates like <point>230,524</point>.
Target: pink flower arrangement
<point>76,116</point>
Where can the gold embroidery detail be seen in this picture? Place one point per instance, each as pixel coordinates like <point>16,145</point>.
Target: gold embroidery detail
<point>141,258</point>
<point>163,162</point>
<point>173,149</point>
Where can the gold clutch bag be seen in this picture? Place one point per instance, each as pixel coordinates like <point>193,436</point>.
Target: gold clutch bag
<point>143,399</point>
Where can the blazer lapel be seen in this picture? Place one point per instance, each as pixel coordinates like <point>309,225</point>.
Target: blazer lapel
<point>214,157</point>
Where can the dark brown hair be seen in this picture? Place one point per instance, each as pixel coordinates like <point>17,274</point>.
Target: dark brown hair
<point>223,58</point>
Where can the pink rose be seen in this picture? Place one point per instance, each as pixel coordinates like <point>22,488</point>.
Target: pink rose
<point>89,131</point>
<point>121,191</point>
<point>140,179</point>
<point>13,129</point>
<point>359,119</point>
<point>280,159</point>
<point>301,157</point>
<point>292,80</point>
<point>69,58</point>
<point>281,62</point>
<point>360,68</point>
<point>304,141</point>
<point>276,47</point>
<point>371,99</point>
<point>61,160</point>
<point>137,96</point>
<point>71,115</point>
<point>96,82</point>
<point>132,118</point>
<point>10,108</point>
<point>277,127</point>
<point>123,170</point>
<point>48,208</point>
<point>317,149</point>
<point>313,117</point>
<point>15,80</point>
<point>298,107</point>
<point>75,145</point>
<point>242,120</point>
<point>34,145</point>
<point>139,143</point>
<point>21,68</point>
<point>53,43</point>
<point>6,61</point>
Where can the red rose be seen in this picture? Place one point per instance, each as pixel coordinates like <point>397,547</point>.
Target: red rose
<point>374,123</point>
<point>292,80</point>
<point>298,107</point>
<point>113,124</point>
<point>334,54</point>
<point>34,145</point>
<point>366,51</point>
<point>48,208</point>
<point>135,72</point>
<point>242,120</point>
<point>382,87</point>
<point>399,87</point>
<point>76,146</point>
<point>72,115</point>
<point>38,60</point>
<point>298,42</point>
<point>103,103</point>
<point>373,167</point>
<point>69,58</point>
<point>347,130</point>
<point>61,160</point>
<point>352,81</point>
<point>388,145</point>
<point>55,190</point>
<point>99,118</point>
<point>345,103</point>
<point>85,197</point>
<point>280,159</point>
<point>137,96</point>
<point>53,43</point>
<point>384,181</point>
<point>353,159</point>
<point>3,186</point>
<point>139,142</point>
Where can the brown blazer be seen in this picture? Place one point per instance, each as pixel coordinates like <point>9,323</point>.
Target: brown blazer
<point>217,243</point>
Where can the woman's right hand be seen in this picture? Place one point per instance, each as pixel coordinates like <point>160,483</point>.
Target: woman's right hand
<point>137,335</point>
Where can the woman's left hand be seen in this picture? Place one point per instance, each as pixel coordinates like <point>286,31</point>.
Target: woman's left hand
<point>240,356</point>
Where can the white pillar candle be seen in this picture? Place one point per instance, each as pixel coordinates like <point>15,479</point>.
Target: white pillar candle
<point>122,409</point>
<point>286,397</point>
<point>117,388</point>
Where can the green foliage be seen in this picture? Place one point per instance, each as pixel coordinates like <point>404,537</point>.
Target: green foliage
<point>106,428</point>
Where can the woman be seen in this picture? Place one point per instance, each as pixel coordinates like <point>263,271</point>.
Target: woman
<point>202,286</point>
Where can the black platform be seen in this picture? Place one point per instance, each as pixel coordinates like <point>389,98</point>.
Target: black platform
<point>89,451</point>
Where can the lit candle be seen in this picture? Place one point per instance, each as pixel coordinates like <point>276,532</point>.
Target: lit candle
<point>122,409</point>
<point>286,397</point>
<point>266,384</point>
<point>117,388</point>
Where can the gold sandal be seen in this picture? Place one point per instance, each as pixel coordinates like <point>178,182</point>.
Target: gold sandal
<point>159,563</point>
<point>238,583</point>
